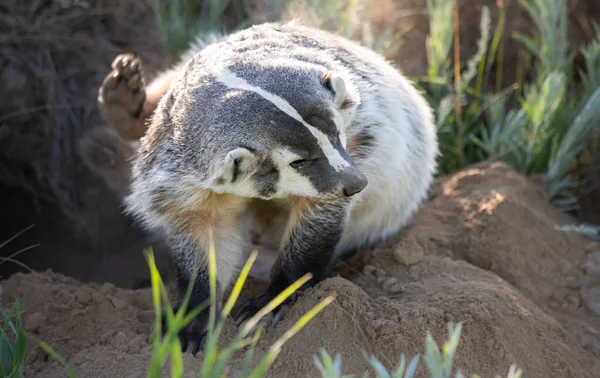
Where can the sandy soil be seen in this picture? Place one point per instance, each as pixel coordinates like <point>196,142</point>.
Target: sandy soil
<point>482,251</point>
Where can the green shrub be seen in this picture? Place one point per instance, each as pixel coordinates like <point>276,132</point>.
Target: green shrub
<point>13,339</point>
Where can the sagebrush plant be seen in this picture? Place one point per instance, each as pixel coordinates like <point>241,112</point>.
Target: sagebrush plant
<point>538,127</point>
<point>439,364</point>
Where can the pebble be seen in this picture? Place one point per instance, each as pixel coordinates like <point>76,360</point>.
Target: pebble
<point>107,288</point>
<point>590,268</point>
<point>35,321</point>
<point>371,332</point>
<point>388,283</point>
<point>397,288</point>
<point>369,270</point>
<point>380,273</point>
<point>84,297</point>
<point>574,301</point>
<point>409,254</point>
<point>118,303</point>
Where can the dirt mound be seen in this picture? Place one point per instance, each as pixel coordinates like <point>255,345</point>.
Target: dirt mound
<point>482,251</point>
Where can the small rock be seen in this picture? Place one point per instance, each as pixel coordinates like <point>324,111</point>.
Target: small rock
<point>397,288</point>
<point>120,339</point>
<point>408,252</point>
<point>369,270</point>
<point>118,302</point>
<point>83,297</point>
<point>107,287</point>
<point>35,321</point>
<point>380,273</point>
<point>106,336</point>
<point>146,316</point>
<point>570,280</point>
<point>371,332</point>
<point>389,283</point>
<point>574,301</point>
<point>590,268</point>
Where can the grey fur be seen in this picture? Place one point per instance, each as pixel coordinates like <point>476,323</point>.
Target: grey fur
<point>206,135</point>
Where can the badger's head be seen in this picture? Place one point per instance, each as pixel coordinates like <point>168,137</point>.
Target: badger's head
<point>278,130</point>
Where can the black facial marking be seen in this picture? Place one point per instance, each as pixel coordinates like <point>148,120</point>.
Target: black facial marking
<point>251,149</point>
<point>327,80</point>
<point>220,181</point>
<point>236,169</point>
<point>364,144</point>
<point>322,121</point>
<point>347,104</point>
<point>265,180</point>
<point>320,173</point>
<point>300,90</point>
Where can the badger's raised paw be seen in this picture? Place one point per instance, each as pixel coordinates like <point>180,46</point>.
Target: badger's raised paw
<point>122,95</point>
<point>252,306</point>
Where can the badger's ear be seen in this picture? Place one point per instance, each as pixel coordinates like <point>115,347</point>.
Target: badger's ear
<point>237,164</point>
<point>345,95</point>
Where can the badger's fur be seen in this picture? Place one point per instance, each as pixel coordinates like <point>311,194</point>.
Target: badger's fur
<point>288,114</point>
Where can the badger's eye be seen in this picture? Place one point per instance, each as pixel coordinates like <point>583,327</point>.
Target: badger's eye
<point>299,163</point>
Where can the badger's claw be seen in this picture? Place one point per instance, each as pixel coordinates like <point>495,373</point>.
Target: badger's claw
<point>253,305</point>
<point>193,336</point>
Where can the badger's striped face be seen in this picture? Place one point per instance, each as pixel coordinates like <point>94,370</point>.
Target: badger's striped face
<point>296,129</point>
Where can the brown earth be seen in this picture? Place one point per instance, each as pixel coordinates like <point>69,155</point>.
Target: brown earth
<point>482,251</point>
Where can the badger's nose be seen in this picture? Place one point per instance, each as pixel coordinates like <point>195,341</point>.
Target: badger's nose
<point>355,181</point>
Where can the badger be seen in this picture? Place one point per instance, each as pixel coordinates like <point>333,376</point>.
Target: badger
<point>280,114</point>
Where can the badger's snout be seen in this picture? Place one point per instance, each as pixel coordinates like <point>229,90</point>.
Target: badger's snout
<point>353,181</point>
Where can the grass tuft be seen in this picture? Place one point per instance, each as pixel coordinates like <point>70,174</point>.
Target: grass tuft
<point>215,361</point>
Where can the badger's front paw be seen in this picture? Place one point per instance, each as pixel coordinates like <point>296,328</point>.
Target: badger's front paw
<point>193,336</point>
<point>252,306</point>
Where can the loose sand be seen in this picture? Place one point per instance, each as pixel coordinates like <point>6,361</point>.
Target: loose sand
<point>482,251</point>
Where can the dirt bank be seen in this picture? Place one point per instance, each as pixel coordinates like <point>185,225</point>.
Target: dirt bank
<point>482,251</point>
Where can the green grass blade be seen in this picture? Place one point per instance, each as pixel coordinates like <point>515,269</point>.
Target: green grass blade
<point>275,302</point>
<point>48,349</point>
<point>239,283</point>
<point>15,236</point>
<point>266,362</point>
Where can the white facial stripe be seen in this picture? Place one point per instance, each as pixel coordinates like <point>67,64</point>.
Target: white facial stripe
<point>290,180</point>
<point>231,80</point>
<point>338,120</point>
